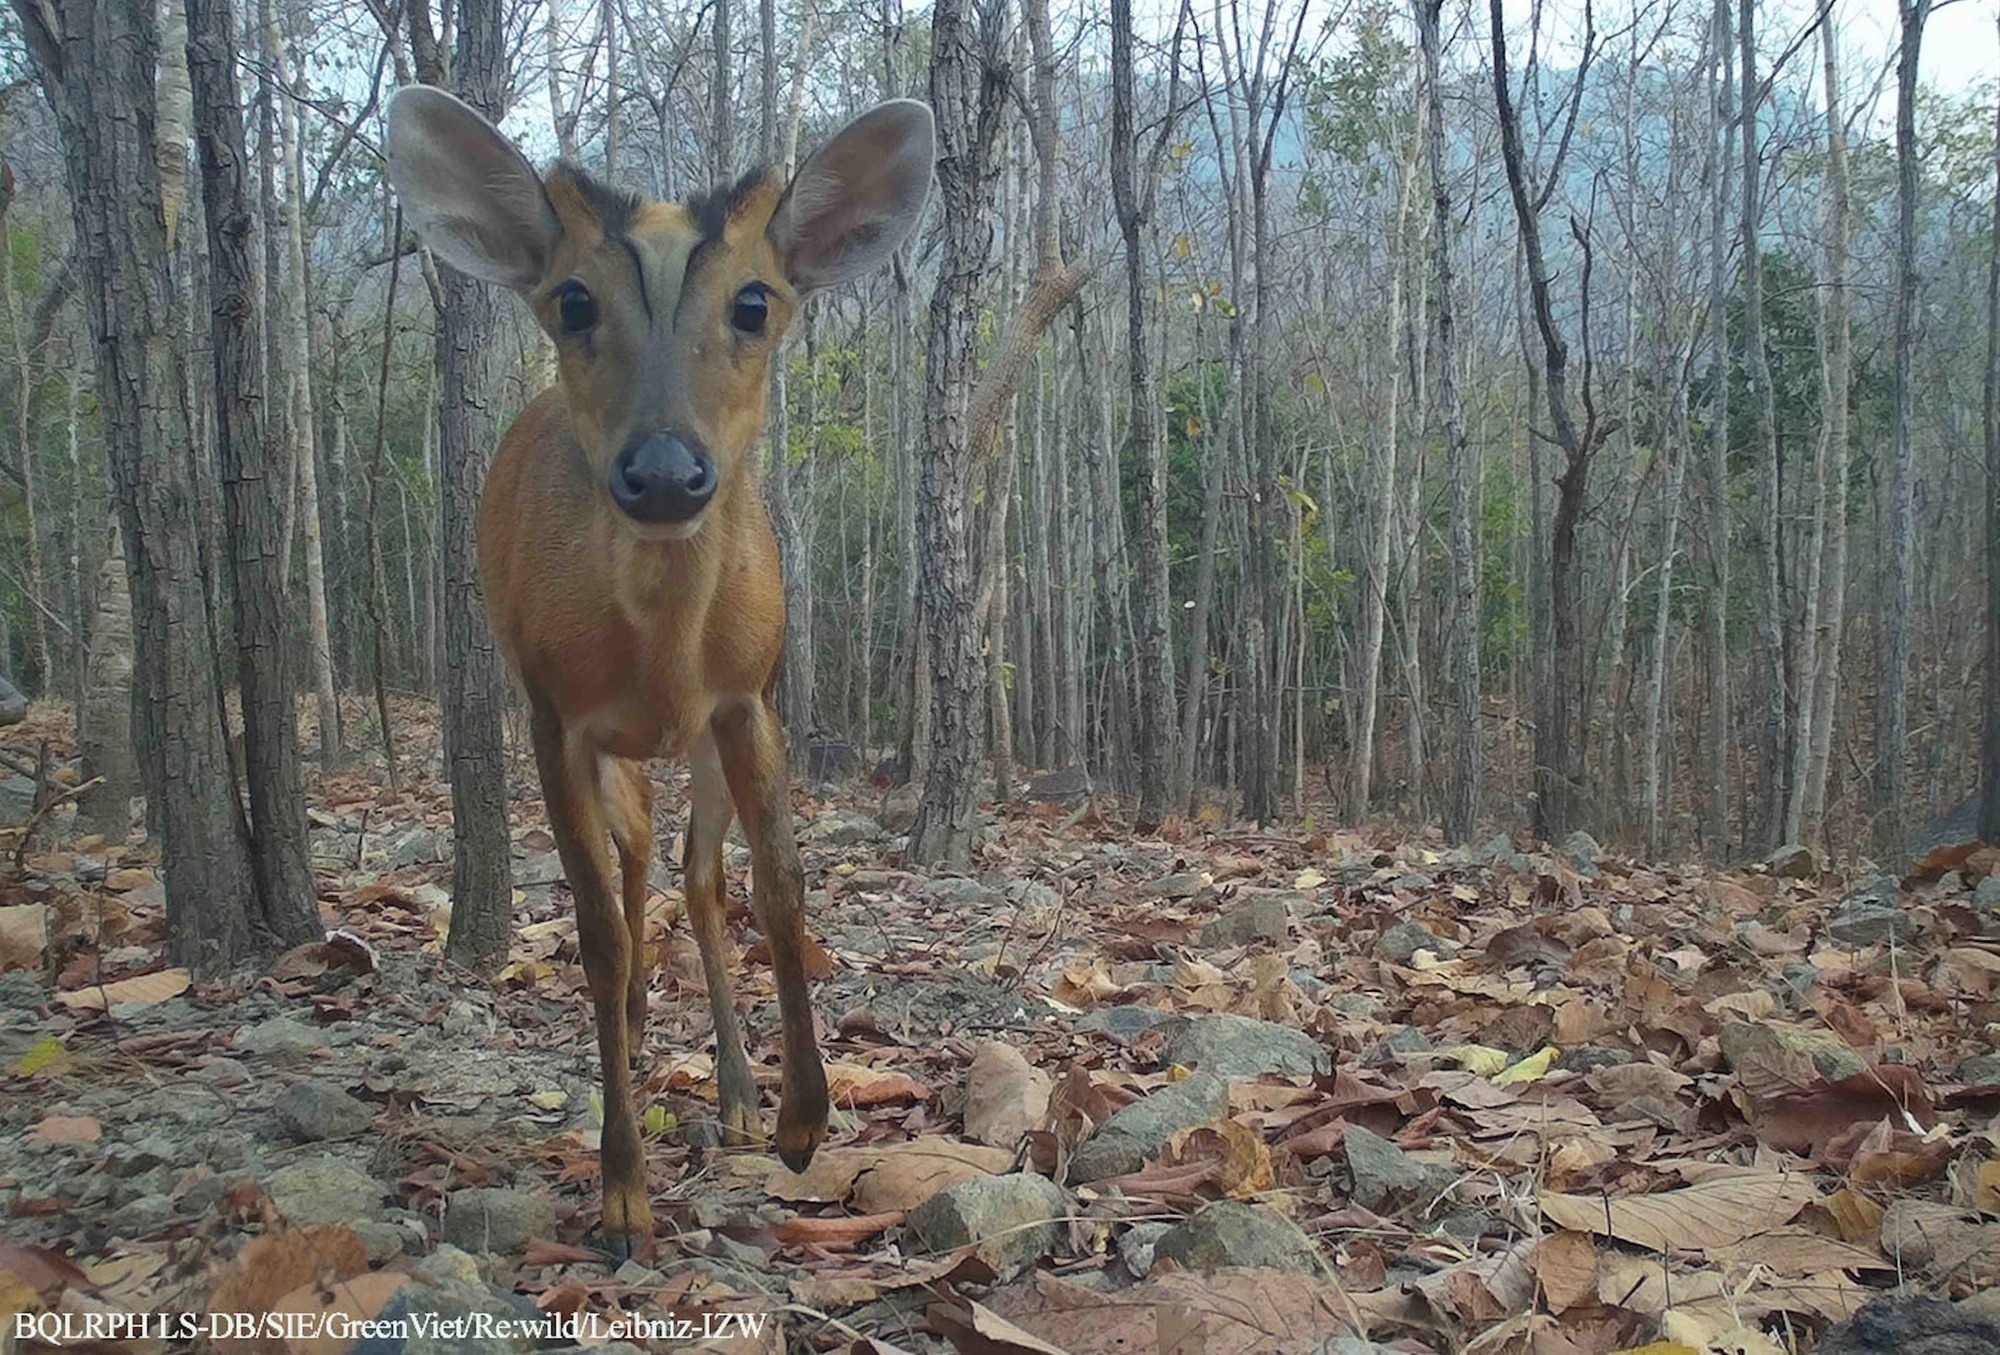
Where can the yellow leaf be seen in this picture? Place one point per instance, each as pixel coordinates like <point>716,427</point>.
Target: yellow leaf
<point>658,1121</point>
<point>45,1054</point>
<point>1308,879</point>
<point>1476,1058</point>
<point>1181,247</point>
<point>1529,1069</point>
<point>1658,1348</point>
<point>548,1100</point>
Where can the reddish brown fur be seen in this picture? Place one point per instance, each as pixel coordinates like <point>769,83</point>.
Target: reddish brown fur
<point>636,642</point>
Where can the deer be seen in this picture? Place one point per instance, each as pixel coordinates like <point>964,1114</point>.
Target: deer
<point>630,572</point>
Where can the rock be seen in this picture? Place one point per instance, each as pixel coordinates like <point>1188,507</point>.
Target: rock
<point>497,1221</point>
<point>1871,913</point>
<point>13,704</point>
<point>1231,1233</point>
<point>324,1190</point>
<point>465,1020</point>
<point>1986,894</point>
<point>1397,1045</point>
<point>222,1072</point>
<point>1589,1058</point>
<point>1795,980</point>
<point>874,881</point>
<point>439,1314</point>
<point>1400,943</point>
<point>1583,851</point>
<point>960,892</point>
<point>1064,786</point>
<point>281,1037</point>
<point>385,1241</point>
<point>142,1217</point>
<point>1259,920</point>
<point>1010,1221</point>
<point>1241,1046</point>
<point>144,1155</point>
<point>416,846</point>
<point>1909,1324</point>
<point>313,1111</point>
<point>1172,887</point>
<point>1141,1129</point>
<point>1385,1177</point>
<point>1793,861</point>
<point>538,868</point>
<point>1981,1070</point>
<point>1499,849</point>
<point>17,798</point>
<point>899,810</point>
<point>843,828</point>
<point>1831,1056</point>
<point>1136,1245</point>
<point>1124,1024</point>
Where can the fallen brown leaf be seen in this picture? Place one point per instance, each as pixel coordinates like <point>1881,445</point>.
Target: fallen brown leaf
<point>1712,1213</point>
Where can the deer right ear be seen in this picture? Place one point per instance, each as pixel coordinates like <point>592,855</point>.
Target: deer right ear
<point>468,190</point>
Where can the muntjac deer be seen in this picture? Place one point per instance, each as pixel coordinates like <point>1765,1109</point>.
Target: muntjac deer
<point>630,571</point>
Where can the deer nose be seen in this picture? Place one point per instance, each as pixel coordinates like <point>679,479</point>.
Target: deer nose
<point>662,479</point>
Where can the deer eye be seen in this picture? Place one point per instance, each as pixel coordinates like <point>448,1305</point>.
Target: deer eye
<point>750,310</point>
<point>576,308</point>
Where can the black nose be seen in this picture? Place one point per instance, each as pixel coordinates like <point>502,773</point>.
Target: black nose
<point>662,479</point>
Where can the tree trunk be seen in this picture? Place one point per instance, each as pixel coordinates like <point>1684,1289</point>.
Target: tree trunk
<point>1892,715</point>
<point>1461,809</point>
<point>1990,820</point>
<point>1715,816</point>
<point>474,685</point>
<point>280,855</point>
<point>107,707</point>
<point>966,92</point>
<point>1819,664</point>
<point>97,64</point>
<point>304,454</point>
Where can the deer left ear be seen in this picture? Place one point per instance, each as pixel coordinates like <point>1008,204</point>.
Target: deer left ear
<point>858,197</point>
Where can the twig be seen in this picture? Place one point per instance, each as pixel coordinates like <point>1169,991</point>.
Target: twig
<point>34,820</point>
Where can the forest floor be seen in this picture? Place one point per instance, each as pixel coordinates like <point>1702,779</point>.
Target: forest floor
<point>1334,1092</point>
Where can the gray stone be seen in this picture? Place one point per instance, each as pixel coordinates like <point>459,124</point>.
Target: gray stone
<point>1871,913</point>
<point>465,1020</point>
<point>1589,1057</point>
<point>1981,1070</point>
<point>874,881</point>
<point>958,891</point>
<point>1986,894</point>
<point>417,846</point>
<point>1385,1176</point>
<point>1231,1233</point>
<point>497,1221</point>
<point>1172,887</point>
<point>1831,1056</point>
<point>1583,851</point>
<point>538,868</point>
<point>1259,920</point>
<point>1795,980</point>
<point>17,798</point>
<point>843,828</point>
<point>142,1217</point>
<point>1136,1245</point>
<point>1498,849</point>
<point>1400,943</point>
<point>1141,1129</point>
<point>1123,1024</point>
<point>222,1072</point>
<point>13,704</point>
<point>313,1111</point>
<point>1793,861</point>
<point>1059,787</point>
<point>324,1190</point>
<point>1242,1046</point>
<point>1010,1221</point>
<point>451,1290</point>
<point>899,810</point>
<point>1398,1044</point>
<point>146,1154</point>
<point>384,1241</point>
<point>281,1037</point>
<point>1911,1324</point>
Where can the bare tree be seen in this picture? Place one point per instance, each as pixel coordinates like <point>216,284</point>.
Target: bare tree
<point>1990,823</point>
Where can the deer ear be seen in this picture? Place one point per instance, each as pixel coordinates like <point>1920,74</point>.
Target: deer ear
<point>468,190</point>
<point>858,197</point>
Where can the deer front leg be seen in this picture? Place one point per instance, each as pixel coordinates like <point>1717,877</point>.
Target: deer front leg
<point>709,813</point>
<point>752,745</point>
<point>570,789</point>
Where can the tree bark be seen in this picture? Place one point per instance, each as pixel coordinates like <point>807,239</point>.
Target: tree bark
<point>1990,820</point>
<point>1469,758</point>
<point>1892,715</point>
<point>1715,816</point>
<point>966,89</point>
<point>97,63</point>
<point>108,756</point>
<point>280,855</point>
